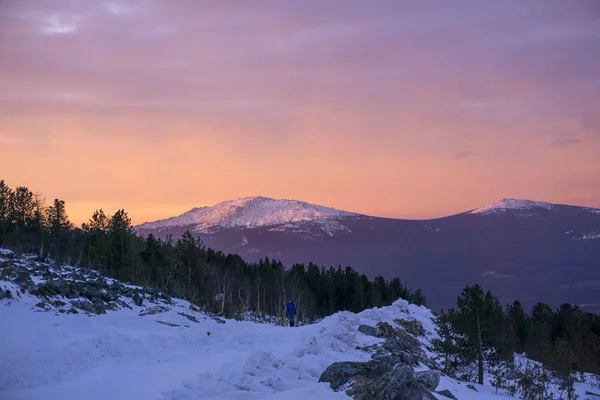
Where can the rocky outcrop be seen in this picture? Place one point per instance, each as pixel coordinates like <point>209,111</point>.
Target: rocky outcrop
<point>390,374</point>
<point>85,290</point>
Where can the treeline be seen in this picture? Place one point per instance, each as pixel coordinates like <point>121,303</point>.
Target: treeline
<point>481,337</point>
<point>184,267</point>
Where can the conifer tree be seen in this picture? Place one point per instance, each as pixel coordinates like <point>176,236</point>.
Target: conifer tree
<point>58,226</point>
<point>519,325</point>
<point>477,329</point>
<point>6,196</point>
<point>23,207</point>
<point>121,244</point>
<point>96,239</point>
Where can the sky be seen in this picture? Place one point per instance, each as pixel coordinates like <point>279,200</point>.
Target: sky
<point>409,109</point>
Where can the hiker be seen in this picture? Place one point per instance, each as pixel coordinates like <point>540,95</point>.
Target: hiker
<point>290,311</point>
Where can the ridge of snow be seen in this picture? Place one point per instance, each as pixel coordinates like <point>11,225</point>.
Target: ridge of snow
<point>251,212</point>
<point>505,205</point>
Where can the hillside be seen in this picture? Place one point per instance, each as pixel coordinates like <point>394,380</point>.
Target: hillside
<point>69,333</point>
<point>520,249</point>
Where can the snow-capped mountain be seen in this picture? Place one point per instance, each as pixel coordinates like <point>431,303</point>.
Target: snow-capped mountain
<point>521,249</point>
<point>505,205</point>
<point>255,212</point>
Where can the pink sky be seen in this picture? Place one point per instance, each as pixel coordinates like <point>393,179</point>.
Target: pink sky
<point>402,109</point>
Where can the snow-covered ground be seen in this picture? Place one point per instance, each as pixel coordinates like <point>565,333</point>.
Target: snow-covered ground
<point>46,354</point>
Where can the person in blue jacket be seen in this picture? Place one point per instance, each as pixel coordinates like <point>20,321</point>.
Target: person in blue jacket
<point>290,311</point>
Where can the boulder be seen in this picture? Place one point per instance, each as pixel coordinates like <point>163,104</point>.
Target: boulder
<point>447,393</point>
<point>398,384</point>
<point>430,379</point>
<point>368,330</point>
<point>341,373</point>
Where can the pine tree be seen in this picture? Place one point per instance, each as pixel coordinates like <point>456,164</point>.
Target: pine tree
<point>122,254</point>
<point>477,329</point>
<point>6,196</point>
<point>189,251</point>
<point>96,239</point>
<point>58,226</point>
<point>23,207</point>
<point>519,325</point>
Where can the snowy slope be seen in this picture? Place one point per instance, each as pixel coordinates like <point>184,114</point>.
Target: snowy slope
<point>522,207</point>
<point>511,204</point>
<point>253,212</point>
<point>179,353</point>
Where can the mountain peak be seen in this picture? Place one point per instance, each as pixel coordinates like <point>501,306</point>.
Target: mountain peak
<point>248,212</point>
<point>507,204</point>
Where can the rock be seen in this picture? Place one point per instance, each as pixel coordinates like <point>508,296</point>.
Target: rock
<point>137,300</point>
<point>430,379</point>
<point>41,304</point>
<point>385,330</point>
<point>399,384</point>
<point>412,326</point>
<point>368,330</point>
<point>167,323</point>
<point>154,310</point>
<point>58,303</point>
<point>447,393</point>
<point>83,305</point>
<point>194,308</point>
<point>72,311</point>
<point>340,373</point>
<point>23,278</point>
<point>99,307</point>
<point>472,388</point>
<point>5,294</point>
<point>190,317</point>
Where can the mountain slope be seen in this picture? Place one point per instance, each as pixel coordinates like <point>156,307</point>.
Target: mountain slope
<point>520,249</point>
<point>250,212</point>
<point>162,348</point>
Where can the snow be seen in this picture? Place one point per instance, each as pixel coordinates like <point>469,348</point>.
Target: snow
<point>588,236</point>
<point>330,227</point>
<point>511,204</point>
<point>124,355</point>
<point>251,212</point>
<point>593,210</point>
